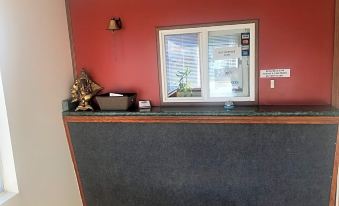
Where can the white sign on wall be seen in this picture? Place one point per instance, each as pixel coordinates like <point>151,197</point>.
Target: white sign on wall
<point>275,73</point>
<point>227,53</point>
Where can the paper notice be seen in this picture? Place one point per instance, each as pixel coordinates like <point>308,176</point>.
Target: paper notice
<point>115,95</point>
<point>227,53</point>
<point>275,73</point>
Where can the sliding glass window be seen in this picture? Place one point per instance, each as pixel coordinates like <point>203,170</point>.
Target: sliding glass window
<point>211,63</point>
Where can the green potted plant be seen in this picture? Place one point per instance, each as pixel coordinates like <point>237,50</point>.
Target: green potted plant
<point>184,89</point>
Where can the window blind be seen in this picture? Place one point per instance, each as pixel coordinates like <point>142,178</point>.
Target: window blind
<point>181,52</point>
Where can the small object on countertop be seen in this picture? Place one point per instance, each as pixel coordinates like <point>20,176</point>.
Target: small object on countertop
<point>116,102</point>
<point>83,90</point>
<point>229,105</point>
<point>115,95</point>
<point>144,104</point>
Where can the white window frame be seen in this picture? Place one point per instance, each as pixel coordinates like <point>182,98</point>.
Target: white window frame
<point>203,49</point>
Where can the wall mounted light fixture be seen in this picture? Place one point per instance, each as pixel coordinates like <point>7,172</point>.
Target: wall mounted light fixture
<point>114,24</point>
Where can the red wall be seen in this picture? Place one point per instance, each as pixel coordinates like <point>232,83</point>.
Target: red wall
<point>292,33</point>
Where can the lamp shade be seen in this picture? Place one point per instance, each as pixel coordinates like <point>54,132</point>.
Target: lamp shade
<point>114,24</point>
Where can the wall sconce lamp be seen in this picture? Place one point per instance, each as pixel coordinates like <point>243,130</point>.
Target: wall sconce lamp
<point>114,24</point>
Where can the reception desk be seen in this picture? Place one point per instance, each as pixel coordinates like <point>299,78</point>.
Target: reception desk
<point>183,156</point>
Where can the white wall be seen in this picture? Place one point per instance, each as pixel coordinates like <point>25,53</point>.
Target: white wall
<point>36,71</point>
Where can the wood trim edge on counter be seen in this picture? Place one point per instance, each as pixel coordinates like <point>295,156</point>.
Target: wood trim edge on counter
<point>209,119</point>
<point>335,173</point>
<point>75,165</point>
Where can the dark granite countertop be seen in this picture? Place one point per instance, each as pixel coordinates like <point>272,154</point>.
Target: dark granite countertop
<point>218,111</point>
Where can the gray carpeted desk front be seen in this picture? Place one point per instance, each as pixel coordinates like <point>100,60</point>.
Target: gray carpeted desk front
<point>204,160</point>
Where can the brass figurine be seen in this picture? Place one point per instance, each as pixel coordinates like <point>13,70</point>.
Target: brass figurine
<point>83,90</point>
